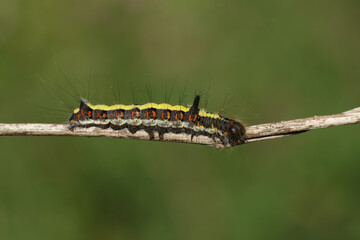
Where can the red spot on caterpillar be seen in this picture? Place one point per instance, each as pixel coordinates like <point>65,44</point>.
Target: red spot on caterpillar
<point>162,116</point>
<point>132,115</point>
<point>154,114</point>
<point>182,116</point>
<point>137,114</point>
<point>175,116</point>
<point>104,115</point>
<point>122,114</point>
<point>89,114</point>
<point>116,115</point>
<point>195,117</point>
<point>82,112</point>
<point>78,116</point>
<point>98,115</point>
<point>189,118</point>
<point>147,114</point>
<point>168,115</point>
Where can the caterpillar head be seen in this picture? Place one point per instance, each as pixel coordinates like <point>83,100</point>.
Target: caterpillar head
<point>236,133</point>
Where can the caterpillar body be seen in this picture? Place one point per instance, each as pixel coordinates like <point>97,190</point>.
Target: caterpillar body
<point>162,118</point>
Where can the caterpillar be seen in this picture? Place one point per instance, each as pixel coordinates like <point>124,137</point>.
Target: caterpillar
<point>162,118</point>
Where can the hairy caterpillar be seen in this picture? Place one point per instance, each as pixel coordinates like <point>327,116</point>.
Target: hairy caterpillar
<point>162,118</point>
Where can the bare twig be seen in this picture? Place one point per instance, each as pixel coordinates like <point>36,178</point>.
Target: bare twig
<point>254,133</point>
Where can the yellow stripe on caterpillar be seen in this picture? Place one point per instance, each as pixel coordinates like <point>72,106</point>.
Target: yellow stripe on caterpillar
<point>161,106</point>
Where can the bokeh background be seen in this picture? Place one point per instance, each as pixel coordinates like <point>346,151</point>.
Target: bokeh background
<point>275,60</point>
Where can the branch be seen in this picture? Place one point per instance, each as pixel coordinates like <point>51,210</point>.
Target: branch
<point>254,133</point>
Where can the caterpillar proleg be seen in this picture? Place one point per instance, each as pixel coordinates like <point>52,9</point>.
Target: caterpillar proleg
<point>162,118</point>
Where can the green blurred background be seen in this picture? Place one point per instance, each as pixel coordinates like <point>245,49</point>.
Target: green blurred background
<point>276,60</point>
